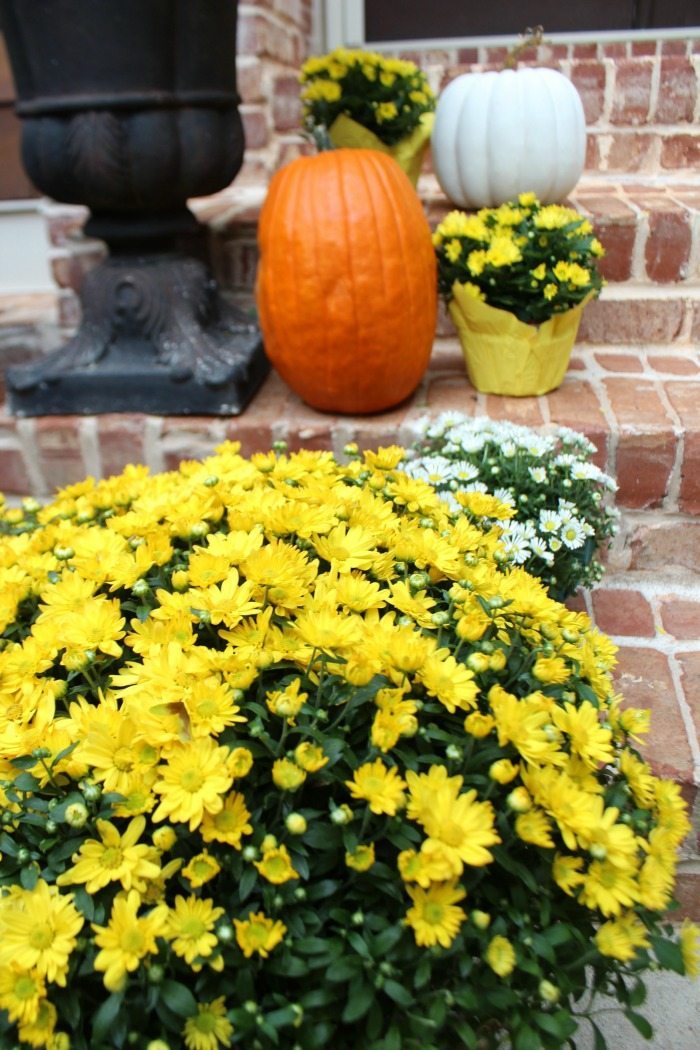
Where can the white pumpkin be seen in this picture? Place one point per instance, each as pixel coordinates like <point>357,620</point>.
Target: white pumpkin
<point>498,134</point>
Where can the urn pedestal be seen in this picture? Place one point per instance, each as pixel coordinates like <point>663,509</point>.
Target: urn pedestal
<point>131,109</point>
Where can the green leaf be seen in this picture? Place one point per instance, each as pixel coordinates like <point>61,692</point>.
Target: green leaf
<point>669,954</point>
<point>638,993</point>
<point>311,945</point>
<point>247,882</point>
<point>343,970</point>
<point>640,1023</point>
<point>319,997</point>
<point>559,1024</point>
<point>26,782</point>
<point>8,845</point>
<point>386,940</point>
<point>526,1038</point>
<point>84,903</point>
<point>360,999</point>
<point>423,972</point>
<point>392,1039</point>
<point>466,1033</point>
<point>105,1016</point>
<point>399,994</point>
<point>599,1041</point>
<point>29,877</point>
<point>178,998</point>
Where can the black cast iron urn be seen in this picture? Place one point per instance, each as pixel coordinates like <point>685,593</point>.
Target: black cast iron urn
<point>130,107</point>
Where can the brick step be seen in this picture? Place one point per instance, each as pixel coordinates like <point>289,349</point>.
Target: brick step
<point>655,622</point>
<point>638,406</point>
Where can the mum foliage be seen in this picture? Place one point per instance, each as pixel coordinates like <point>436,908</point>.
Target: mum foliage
<point>530,259</point>
<point>559,514</point>
<point>290,759</point>
<point>388,96</point>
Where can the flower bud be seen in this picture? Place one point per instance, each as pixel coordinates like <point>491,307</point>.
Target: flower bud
<point>140,589</point>
<point>76,814</point>
<point>296,824</point>
<point>519,800</point>
<point>92,792</point>
<point>549,992</point>
<point>481,919</point>
<point>357,918</point>
<point>164,838</point>
<point>342,814</point>
<point>250,853</point>
<point>268,843</point>
<point>225,932</point>
<point>418,581</point>
<point>454,753</point>
<point>180,580</point>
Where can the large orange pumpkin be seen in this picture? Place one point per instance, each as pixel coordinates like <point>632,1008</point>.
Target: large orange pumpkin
<point>346,287</point>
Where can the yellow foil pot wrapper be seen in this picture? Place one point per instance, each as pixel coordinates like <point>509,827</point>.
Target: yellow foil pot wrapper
<point>408,153</point>
<point>504,355</point>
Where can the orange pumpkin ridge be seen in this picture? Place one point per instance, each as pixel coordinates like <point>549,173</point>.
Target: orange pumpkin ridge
<point>346,288</point>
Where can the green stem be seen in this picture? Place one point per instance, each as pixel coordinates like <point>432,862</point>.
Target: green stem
<point>532,37</point>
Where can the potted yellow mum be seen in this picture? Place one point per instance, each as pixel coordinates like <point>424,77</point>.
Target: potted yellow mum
<point>516,279</point>
<point>362,99</point>
<point>289,758</point>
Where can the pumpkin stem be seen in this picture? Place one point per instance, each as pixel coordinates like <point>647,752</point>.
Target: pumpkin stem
<point>530,38</point>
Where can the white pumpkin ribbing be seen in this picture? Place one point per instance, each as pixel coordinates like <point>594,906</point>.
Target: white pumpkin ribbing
<point>498,134</point>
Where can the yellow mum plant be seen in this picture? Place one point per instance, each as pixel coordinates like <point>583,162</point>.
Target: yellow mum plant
<point>292,756</point>
<point>530,259</point>
<point>388,96</point>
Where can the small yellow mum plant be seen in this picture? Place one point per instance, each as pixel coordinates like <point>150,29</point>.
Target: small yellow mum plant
<point>532,260</point>
<point>291,757</point>
<point>388,96</point>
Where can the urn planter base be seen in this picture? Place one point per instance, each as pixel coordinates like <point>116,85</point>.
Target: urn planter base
<point>157,336</point>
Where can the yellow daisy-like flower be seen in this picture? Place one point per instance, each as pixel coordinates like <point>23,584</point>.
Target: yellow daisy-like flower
<point>435,916</point>
<point>503,771</point>
<point>479,725</point>
<point>127,939</point>
<point>310,757</point>
<point>201,869</point>
<point>114,858</point>
<point>192,782</point>
<point>690,947</point>
<point>276,865</point>
<point>21,994</point>
<point>500,956</point>
<point>38,931</point>
<point>189,927</point>
<point>287,775</point>
<point>258,934</point>
<point>287,703</point>
<point>230,824</point>
<point>535,827</point>
<point>379,785</point>
<point>566,872</point>
<point>587,737</point>
<point>40,1031</point>
<point>362,858</point>
<point>621,938</point>
<point>209,1028</point>
<point>458,826</point>
<point>608,889</point>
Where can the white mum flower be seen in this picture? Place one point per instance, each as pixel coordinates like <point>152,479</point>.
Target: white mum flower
<point>573,534</point>
<point>538,474</point>
<point>549,522</point>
